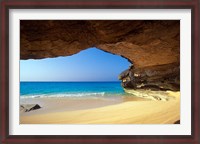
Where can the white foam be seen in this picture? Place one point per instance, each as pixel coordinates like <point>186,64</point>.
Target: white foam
<point>63,95</point>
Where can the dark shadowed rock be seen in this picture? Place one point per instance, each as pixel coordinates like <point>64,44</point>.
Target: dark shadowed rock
<point>29,107</point>
<point>161,77</point>
<point>177,122</point>
<point>123,74</point>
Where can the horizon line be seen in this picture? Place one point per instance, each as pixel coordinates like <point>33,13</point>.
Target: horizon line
<point>71,81</point>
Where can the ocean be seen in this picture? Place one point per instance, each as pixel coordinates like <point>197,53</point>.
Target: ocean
<point>70,89</point>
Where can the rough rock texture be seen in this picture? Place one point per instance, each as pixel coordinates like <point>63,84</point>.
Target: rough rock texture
<point>145,44</point>
<point>29,107</point>
<point>160,77</point>
<point>152,95</point>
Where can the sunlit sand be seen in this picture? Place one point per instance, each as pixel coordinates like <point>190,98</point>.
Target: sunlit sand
<point>98,111</point>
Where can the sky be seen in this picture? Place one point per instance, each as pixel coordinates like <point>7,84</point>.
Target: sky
<point>88,65</point>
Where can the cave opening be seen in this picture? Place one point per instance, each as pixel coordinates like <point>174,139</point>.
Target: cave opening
<point>89,72</point>
<point>92,64</point>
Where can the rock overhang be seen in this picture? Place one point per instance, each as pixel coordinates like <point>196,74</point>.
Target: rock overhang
<point>148,44</point>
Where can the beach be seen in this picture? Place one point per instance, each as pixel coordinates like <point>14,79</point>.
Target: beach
<point>100,71</point>
<point>101,110</point>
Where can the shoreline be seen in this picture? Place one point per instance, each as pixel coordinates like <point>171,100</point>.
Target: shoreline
<point>104,111</point>
<point>60,104</point>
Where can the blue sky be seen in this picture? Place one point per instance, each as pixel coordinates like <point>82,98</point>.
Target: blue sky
<point>88,65</point>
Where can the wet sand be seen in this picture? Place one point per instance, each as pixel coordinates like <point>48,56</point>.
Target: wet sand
<point>126,110</point>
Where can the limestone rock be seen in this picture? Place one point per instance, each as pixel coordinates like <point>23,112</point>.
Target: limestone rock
<point>149,94</point>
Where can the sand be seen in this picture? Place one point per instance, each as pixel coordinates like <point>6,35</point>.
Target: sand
<point>128,110</point>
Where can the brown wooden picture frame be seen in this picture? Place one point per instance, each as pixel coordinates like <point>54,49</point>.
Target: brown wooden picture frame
<point>6,5</point>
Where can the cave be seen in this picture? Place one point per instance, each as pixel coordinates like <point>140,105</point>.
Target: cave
<point>152,46</point>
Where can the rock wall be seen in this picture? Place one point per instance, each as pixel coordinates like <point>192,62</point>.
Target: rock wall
<point>160,77</point>
<point>146,44</point>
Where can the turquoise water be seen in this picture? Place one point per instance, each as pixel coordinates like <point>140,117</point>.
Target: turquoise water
<point>70,89</point>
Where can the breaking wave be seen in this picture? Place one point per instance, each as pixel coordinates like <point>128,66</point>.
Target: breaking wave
<point>64,95</point>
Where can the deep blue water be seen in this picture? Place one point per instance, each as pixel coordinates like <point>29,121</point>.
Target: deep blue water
<point>70,89</point>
